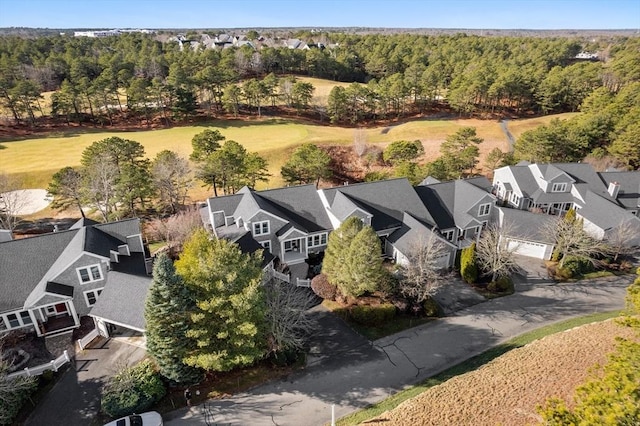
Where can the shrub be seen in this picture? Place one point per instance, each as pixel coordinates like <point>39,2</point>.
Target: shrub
<point>574,267</point>
<point>501,285</point>
<point>468,267</point>
<point>322,287</point>
<point>132,390</point>
<point>373,315</point>
<point>431,307</point>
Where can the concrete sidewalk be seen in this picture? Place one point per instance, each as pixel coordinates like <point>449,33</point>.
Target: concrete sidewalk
<point>355,379</point>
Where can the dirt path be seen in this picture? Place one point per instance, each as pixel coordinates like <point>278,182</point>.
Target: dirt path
<point>507,390</point>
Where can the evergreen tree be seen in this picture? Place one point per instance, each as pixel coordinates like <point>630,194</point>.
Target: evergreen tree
<point>308,163</point>
<point>335,255</point>
<point>468,265</point>
<point>364,264</point>
<point>228,323</point>
<point>166,313</point>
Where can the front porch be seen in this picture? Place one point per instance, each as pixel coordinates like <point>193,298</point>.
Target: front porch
<point>56,325</point>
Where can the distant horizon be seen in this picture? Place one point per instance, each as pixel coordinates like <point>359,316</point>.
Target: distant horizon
<point>534,15</point>
<point>325,28</point>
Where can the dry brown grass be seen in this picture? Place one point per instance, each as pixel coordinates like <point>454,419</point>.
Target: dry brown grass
<point>507,390</point>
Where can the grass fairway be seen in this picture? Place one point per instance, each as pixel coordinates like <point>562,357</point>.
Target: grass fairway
<point>34,160</point>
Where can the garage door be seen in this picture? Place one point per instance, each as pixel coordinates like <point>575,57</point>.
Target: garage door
<point>443,261</point>
<point>527,248</point>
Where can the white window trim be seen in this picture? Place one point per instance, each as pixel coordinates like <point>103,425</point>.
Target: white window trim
<point>259,226</point>
<point>561,185</point>
<point>482,207</point>
<point>91,279</point>
<point>311,240</point>
<point>95,295</point>
<point>514,199</point>
<point>299,248</point>
<point>448,235</point>
<point>21,323</point>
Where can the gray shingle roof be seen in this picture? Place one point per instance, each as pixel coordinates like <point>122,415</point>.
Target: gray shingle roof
<point>387,200</point>
<point>99,242</point>
<point>122,299</point>
<point>437,202</point>
<point>227,203</point>
<point>121,229</point>
<point>300,205</point>
<point>249,245</point>
<point>629,192</point>
<point>24,262</point>
<point>603,213</point>
<point>411,233</point>
<point>83,222</point>
<point>526,225</point>
<point>343,206</point>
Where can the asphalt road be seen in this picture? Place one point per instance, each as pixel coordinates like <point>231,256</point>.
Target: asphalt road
<point>367,372</point>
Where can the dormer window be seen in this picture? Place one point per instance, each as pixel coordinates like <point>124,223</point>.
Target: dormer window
<point>559,187</point>
<point>261,228</point>
<point>484,209</point>
<point>89,274</point>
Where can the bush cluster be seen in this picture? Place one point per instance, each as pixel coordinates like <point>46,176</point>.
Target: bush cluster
<point>322,287</point>
<point>431,307</point>
<point>574,267</point>
<point>373,315</point>
<point>132,390</point>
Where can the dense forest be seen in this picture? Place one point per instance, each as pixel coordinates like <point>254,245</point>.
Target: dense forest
<point>138,76</point>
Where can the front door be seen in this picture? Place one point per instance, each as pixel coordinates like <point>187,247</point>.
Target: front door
<point>61,308</point>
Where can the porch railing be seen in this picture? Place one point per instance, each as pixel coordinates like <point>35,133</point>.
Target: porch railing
<point>54,365</point>
<point>281,276</point>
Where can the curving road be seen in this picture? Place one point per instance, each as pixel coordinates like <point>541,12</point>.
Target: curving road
<point>362,373</point>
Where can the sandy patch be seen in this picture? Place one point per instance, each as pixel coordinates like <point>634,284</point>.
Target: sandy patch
<point>507,390</point>
<point>25,201</point>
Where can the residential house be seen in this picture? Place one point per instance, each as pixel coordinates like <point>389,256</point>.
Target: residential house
<point>294,222</point>
<point>604,201</point>
<point>48,282</point>
<point>460,209</point>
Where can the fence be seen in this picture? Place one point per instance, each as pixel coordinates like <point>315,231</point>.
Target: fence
<point>281,276</point>
<point>88,338</point>
<point>36,371</point>
<point>303,283</point>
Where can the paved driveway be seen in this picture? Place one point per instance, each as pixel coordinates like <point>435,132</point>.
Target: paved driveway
<point>353,380</point>
<point>75,399</point>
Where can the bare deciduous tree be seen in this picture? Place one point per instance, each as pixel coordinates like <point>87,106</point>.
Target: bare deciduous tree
<point>422,275</point>
<point>493,254</point>
<point>573,241</point>
<point>288,322</point>
<point>623,239</point>
<point>176,229</point>
<point>12,201</point>
<point>171,178</point>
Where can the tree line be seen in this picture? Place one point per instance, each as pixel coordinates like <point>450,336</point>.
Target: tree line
<point>400,74</point>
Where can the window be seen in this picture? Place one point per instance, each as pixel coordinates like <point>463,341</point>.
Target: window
<point>13,320</point>
<point>261,228</point>
<point>17,319</point>
<point>291,245</point>
<point>559,187</point>
<point>51,310</point>
<point>316,240</point>
<point>25,317</point>
<point>89,274</point>
<point>484,209</point>
<point>266,245</point>
<point>449,234</point>
<point>515,200</point>
<point>91,296</point>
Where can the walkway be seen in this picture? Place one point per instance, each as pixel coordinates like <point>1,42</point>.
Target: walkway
<point>75,399</point>
<point>354,379</point>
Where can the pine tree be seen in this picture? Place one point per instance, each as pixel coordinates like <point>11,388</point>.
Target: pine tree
<point>228,323</point>
<point>167,316</point>
<point>335,256</point>
<point>364,264</point>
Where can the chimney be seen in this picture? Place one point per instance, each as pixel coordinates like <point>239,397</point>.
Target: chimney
<point>614,188</point>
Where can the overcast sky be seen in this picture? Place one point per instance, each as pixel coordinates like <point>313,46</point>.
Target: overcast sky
<point>495,14</point>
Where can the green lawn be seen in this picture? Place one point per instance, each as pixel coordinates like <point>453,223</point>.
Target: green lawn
<point>34,160</point>
<point>470,365</point>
